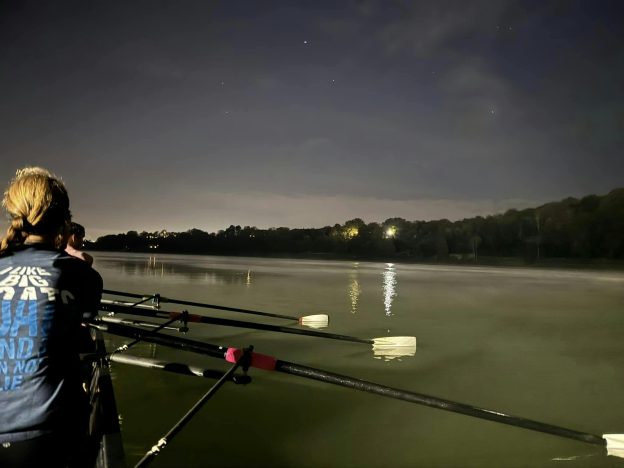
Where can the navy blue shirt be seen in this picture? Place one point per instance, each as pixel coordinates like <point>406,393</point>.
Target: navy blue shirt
<point>45,295</point>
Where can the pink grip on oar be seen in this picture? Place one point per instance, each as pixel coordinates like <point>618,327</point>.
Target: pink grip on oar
<point>260,361</point>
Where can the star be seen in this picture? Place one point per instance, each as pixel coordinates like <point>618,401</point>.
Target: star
<point>305,42</point>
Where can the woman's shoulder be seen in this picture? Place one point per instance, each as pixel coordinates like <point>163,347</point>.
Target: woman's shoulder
<point>66,262</point>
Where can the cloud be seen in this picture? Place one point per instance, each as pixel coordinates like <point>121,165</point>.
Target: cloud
<point>420,29</point>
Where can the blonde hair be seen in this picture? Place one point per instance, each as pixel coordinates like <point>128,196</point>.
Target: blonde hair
<point>37,203</point>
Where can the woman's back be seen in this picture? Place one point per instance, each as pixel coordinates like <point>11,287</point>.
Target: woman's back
<point>44,295</point>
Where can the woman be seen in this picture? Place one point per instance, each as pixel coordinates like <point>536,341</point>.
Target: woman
<point>45,295</point>
<point>75,241</point>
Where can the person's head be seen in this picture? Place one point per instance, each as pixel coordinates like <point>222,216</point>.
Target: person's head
<point>76,235</point>
<point>38,205</point>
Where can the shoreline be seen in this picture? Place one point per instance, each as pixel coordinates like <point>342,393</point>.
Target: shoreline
<point>600,264</point>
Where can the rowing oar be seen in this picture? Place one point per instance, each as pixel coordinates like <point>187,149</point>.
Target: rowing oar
<point>314,321</point>
<point>613,442</point>
<point>406,345</point>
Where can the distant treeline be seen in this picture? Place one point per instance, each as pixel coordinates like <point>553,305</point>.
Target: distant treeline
<point>589,228</point>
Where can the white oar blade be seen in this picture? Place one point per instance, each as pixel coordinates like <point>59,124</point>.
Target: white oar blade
<point>315,321</point>
<point>392,347</point>
<point>395,342</point>
<point>615,444</point>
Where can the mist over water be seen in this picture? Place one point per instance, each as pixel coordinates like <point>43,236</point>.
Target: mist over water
<point>541,344</point>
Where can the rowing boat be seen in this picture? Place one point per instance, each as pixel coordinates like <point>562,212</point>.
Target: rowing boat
<point>104,430</point>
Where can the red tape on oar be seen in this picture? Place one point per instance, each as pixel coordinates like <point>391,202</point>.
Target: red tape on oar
<point>187,316</point>
<point>259,361</point>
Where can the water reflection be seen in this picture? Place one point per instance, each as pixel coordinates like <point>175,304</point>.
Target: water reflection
<point>248,282</point>
<point>152,268</point>
<point>354,289</point>
<point>389,287</point>
<point>390,353</point>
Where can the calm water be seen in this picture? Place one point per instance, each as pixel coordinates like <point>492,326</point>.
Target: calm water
<point>544,345</point>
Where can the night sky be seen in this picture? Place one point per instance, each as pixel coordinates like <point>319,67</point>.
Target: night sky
<point>198,114</point>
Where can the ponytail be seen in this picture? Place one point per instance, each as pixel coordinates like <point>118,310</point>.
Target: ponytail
<point>37,203</point>
<point>15,236</point>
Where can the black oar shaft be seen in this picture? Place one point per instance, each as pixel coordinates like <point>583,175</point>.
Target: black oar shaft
<point>140,323</point>
<point>229,309</point>
<point>165,340</point>
<point>434,402</point>
<point>371,387</point>
<point>232,323</point>
<point>280,329</point>
<point>201,304</point>
<point>175,367</point>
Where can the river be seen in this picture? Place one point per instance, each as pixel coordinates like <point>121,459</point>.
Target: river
<point>543,344</point>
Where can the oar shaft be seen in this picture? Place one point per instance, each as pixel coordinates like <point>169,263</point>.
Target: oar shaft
<point>201,304</point>
<point>229,309</point>
<point>139,323</point>
<point>175,367</point>
<point>280,329</point>
<point>165,340</point>
<point>366,386</point>
<point>231,323</point>
<point>434,402</point>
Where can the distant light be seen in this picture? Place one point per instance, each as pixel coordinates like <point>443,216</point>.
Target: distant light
<point>391,232</point>
<point>305,42</point>
<point>351,232</point>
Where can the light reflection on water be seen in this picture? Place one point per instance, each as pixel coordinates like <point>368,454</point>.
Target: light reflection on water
<point>354,288</point>
<point>155,267</point>
<point>389,287</point>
